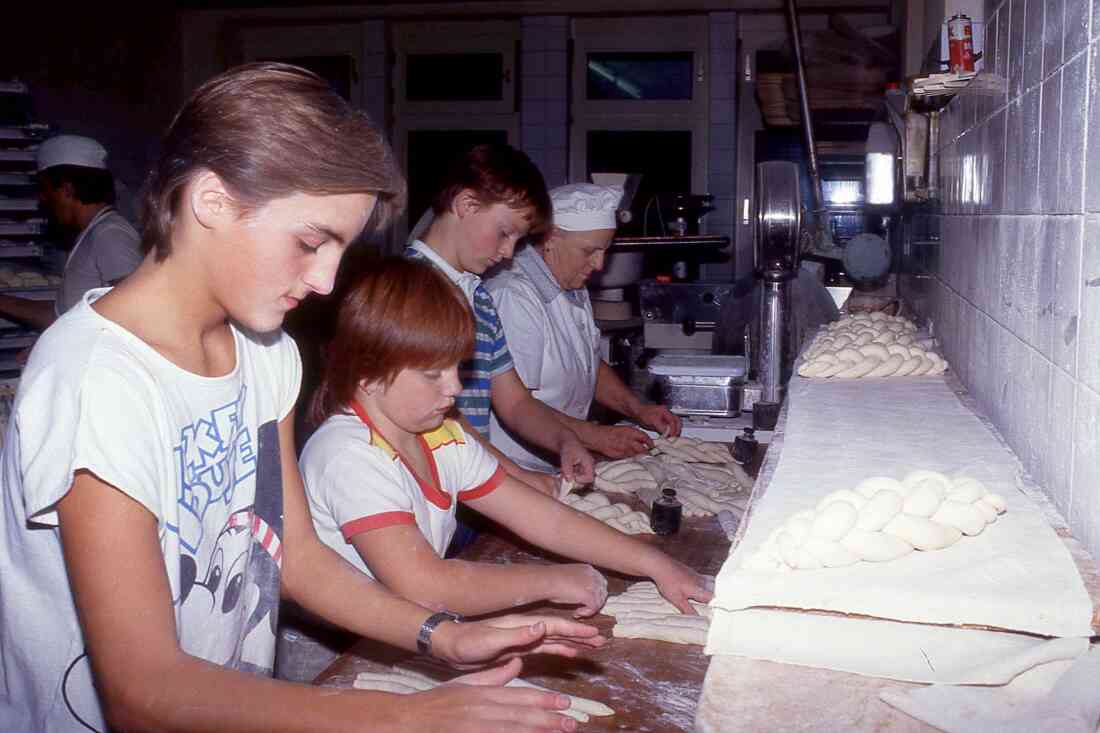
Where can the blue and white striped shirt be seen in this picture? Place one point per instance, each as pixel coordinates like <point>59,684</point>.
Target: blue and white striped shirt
<point>491,356</point>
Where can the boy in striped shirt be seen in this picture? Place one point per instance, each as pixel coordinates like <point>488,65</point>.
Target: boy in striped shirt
<point>493,197</point>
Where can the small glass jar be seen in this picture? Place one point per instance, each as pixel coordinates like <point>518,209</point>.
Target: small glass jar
<point>666,513</point>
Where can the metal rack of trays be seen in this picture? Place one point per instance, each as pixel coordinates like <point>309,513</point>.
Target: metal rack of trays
<point>26,270</point>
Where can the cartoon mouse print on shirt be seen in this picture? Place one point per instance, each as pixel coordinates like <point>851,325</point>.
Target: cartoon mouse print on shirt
<point>231,579</point>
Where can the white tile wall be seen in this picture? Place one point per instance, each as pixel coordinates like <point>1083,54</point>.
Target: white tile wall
<point>1015,286</point>
<point>1076,26</point>
<point>544,94</point>
<point>1088,349</point>
<point>1053,35</point>
<point>722,142</point>
<point>1084,514</point>
<point>1033,44</point>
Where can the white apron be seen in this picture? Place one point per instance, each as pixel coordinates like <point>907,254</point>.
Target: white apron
<point>554,343</point>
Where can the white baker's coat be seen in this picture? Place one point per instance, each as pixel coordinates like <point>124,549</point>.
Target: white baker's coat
<point>554,343</point>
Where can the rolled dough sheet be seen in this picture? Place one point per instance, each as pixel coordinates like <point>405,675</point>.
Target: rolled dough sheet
<point>886,649</point>
<point>1017,575</point>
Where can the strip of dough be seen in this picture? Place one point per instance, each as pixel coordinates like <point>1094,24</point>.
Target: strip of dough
<point>405,681</point>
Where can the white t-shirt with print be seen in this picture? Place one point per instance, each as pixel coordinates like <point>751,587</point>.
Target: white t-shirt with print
<point>200,454</point>
<point>356,482</point>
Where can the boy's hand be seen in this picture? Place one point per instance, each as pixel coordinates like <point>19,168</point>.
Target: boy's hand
<point>579,584</point>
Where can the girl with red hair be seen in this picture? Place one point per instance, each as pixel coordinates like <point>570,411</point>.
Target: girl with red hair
<point>388,465</point>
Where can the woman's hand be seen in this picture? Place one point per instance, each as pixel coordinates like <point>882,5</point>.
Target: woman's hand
<point>678,583</point>
<point>479,702</point>
<point>659,418</point>
<point>579,584</point>
<point>620,441</point>
<point>510,635</point>
<point>577,463</point>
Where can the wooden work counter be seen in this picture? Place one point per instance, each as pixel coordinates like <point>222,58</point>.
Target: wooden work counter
<point>652,685</point>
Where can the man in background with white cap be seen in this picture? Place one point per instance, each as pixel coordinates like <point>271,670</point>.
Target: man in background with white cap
<point>552,334</point>
<point>77,192</point>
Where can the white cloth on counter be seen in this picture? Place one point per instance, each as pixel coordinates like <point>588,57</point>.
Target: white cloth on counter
<point>1060,695</point>
<point>1016,575</point>
<point>887,649</point>
<point>554,342</point>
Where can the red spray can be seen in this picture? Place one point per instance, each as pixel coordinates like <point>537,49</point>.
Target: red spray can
<point>960,43</point>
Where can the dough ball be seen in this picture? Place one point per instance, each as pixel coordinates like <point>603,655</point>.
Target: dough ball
<point>967,489</point>
<point>868,487</point>
<point>875,546</point>
<point>996,501</point>
<point>834,521</point>
<point>879,510</point>
<point>830,554</point>
<point>963,517</point>
<point>921,533</point>
<point>856,500</point>
<point>922,501</point>
<point>935,479</point>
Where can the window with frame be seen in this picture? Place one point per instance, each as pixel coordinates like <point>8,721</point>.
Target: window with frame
<point>640,103</point>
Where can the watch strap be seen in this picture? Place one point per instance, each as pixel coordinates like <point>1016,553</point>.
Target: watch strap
<point>424,636</point>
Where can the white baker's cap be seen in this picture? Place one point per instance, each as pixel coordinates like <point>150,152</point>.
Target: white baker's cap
<point>71,150</point>
<point>582,207</point>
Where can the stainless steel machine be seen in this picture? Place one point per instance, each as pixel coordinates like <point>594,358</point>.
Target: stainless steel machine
<point>778,220</point>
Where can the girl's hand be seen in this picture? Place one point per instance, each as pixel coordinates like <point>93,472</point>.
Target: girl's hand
<point>514,634</point>
<point>678,583</point>
<point>581,585</point>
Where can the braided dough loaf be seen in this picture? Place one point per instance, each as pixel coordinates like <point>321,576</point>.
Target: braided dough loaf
<point>641,613</point>
<point>618,516</point>
<point>870,345</point>
<point>406,681</point>
<point>704,489</point>
<point>881,519</point>
<point>692,450</point>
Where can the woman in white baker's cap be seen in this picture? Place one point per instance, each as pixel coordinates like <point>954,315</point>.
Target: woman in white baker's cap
<point>552,333</point>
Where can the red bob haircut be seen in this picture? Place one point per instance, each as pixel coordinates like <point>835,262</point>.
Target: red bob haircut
<point>402,314</point>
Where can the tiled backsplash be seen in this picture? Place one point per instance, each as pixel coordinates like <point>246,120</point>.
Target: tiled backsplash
<point>1008,268</point>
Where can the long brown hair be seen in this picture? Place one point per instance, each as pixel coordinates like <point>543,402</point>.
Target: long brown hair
<point>269,130</point>
<point>401,314</point>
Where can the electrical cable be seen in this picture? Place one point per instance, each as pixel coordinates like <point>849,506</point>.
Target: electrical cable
<point>65,695</point>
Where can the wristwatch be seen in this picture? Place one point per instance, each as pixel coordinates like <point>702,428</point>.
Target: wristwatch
<point>424,637</point>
